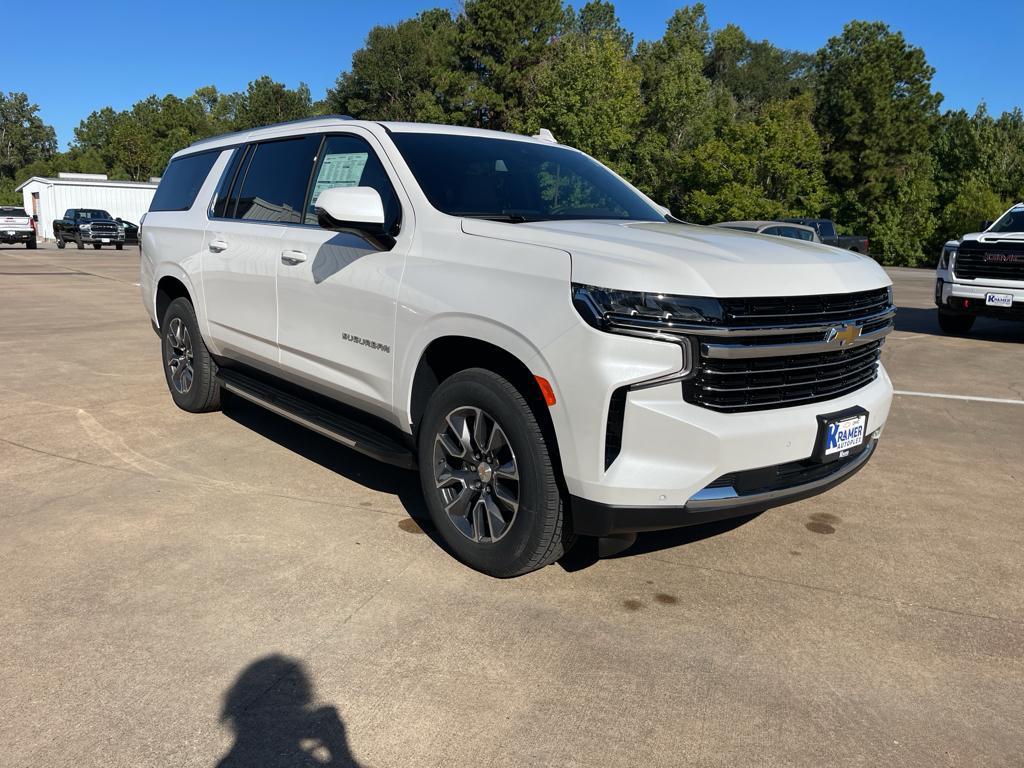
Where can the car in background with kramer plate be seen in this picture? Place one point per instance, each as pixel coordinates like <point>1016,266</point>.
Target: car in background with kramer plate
<point>982,274</point>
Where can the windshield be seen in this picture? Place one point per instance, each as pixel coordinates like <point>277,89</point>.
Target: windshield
<point>91,213</point>
<point>1011,221</point>
<point>511,180</point>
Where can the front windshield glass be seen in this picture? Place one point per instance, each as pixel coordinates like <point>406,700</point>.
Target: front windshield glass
<point>511,180</point>
<point>91,213</point>
<point>1011,221</point>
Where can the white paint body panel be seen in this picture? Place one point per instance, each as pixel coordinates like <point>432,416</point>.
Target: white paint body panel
<point>508,285</point>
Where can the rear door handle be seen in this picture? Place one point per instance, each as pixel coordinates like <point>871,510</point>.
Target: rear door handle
<point>218,245</point>
<point>291,258</point>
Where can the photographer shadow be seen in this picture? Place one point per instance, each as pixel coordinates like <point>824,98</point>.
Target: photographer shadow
<point>270,707</point>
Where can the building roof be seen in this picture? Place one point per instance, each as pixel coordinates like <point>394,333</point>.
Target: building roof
<point>79,181</point>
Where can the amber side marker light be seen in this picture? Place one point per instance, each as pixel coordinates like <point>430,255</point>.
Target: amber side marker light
<point>546,390</point>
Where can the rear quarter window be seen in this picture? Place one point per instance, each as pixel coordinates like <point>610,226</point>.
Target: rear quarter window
<point>182,181</point>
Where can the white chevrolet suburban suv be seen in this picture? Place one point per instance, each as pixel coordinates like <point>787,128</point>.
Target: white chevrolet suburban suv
<point>982,275</point>
<point>556,354</point>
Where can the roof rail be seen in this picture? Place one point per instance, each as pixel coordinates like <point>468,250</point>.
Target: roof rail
<point>219,136</point>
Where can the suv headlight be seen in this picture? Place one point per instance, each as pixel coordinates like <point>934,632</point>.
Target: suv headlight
<point>658,316</point>
<point>631,312</point>
<point>85,226</point>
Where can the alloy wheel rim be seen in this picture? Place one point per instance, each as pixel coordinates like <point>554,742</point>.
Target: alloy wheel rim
<point>179,356</point>
<point>477,475</point>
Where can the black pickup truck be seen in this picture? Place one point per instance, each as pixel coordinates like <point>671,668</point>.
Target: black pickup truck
<point>826,230</point>
<point>88,225</point>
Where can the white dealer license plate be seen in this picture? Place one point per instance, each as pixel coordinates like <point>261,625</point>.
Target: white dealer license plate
<point>105,239</point>
<point>998,299</point>
<point>843,435</point>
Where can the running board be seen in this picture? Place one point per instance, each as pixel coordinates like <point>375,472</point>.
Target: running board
<point>349,432</point>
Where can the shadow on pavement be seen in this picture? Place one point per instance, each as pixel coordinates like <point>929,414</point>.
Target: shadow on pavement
<point>270,707</point>
<point>584,554</point>
<point>918,320</point>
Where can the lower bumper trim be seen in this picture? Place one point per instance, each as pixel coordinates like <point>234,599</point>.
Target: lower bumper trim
<point>592,518</point>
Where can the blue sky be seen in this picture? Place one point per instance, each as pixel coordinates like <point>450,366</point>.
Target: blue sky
<point>177,47</point>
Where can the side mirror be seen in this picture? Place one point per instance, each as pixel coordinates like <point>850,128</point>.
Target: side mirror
<point>985,225</point>
<point>351,208</point>
<point>118,219</point>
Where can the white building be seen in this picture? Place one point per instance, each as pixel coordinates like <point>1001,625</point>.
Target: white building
<point>49,198</point>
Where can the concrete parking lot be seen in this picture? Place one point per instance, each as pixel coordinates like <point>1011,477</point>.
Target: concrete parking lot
<point>178,590</point>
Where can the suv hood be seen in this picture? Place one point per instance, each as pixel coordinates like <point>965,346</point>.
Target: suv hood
<point>693,260</point>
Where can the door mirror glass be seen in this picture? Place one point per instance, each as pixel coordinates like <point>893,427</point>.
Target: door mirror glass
<point>358,208</point>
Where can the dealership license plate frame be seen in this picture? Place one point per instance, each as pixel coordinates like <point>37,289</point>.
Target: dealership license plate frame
<point>995,299</point>
<point>825,420</point>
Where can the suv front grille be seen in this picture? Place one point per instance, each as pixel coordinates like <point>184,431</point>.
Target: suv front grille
<point>104,229</point>
<point>790,359</point>
<point>992,260</point>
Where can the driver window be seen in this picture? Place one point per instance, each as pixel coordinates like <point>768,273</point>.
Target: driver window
<point>348,161</point>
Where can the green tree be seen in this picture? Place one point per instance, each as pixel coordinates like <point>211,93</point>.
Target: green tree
<point>24,137</point>
<point>404,72</point>
<point>597,19</point>
<point>266,101</point>
<point>588,94</point>
<point>756,73</point>
<point>973,204</point>
<point>499,43</point>
<point>876,113</point>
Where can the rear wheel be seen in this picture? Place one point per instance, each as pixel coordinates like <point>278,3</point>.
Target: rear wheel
<point>488,477</point>
<point>188,367</point>
<point>955,324</point>
<point>31,244</point>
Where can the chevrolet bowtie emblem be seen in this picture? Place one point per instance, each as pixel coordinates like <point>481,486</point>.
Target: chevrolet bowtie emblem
<point>842,334</point>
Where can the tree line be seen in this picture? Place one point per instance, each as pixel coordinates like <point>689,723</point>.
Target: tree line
<point>708,122</point>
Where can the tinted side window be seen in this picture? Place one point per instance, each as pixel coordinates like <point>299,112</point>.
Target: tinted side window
<point>827,229</point>
<point>181,182</point>
<point>219,207</point>
<point>348,161</point>
<point>771,231</point>
<point>274,186</point>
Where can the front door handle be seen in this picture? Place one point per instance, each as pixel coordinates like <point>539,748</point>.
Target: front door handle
<point>291,258</point>
<point>218,245</point>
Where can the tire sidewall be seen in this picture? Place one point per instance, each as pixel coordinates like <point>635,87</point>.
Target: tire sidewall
<point>196,398</point>
<point>538,498</point>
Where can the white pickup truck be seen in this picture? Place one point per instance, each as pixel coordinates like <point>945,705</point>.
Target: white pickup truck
<point>982,274</point>
<point>553,353</point>
<point>16,226</point>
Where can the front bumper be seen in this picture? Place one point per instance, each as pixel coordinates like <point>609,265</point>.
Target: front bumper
<point>718,502</point>
<point>104,239</point>
<point>968,298</point>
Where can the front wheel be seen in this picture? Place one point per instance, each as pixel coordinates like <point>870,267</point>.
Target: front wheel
<point>188,367</point>
<point>488,477</point>
<point>120,246</point>
<point>60,243</point>
<point>96,246</point>
<point>955,324</point>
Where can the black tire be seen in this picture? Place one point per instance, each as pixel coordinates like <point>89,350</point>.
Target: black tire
<point>537,533</point>
<point>79,243</point>
<point>96,246</point>
<point>60,243</point>
<point>31,244</point>
<point>203,391</point>
<point>120,246</point>
<point>956,325</point>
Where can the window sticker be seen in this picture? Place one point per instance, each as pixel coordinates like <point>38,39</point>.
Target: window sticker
<point>340,170</point>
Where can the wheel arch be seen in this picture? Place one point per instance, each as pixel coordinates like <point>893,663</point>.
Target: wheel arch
<point>446,355</point>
